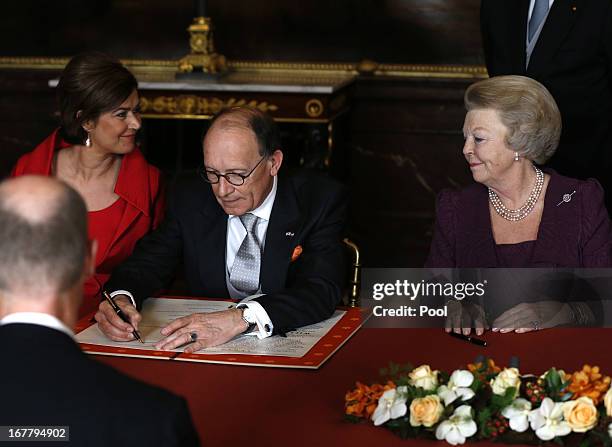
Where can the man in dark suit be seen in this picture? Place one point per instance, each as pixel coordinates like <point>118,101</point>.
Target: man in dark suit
<point>46,379</point>
<point>567,46</point>
<point>242,232</point>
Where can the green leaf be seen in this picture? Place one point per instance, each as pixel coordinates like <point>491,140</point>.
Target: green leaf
<point>553,381</point>
<point>482,417</point>
<point>559,441</point>
<point>352,419</point>
<point>499,402</point>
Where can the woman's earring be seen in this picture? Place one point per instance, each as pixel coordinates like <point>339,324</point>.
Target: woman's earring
<point>88,140</point>
<point>516,156</point>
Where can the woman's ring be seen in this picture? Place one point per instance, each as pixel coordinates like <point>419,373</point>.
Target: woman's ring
<point>193,336</point>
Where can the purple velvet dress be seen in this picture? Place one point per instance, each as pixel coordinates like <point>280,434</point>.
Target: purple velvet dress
<point>574,233</point>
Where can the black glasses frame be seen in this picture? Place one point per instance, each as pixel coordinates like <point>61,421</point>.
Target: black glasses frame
<point>233,178</point>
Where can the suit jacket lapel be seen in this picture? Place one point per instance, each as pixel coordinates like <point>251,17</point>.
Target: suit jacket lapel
<point>210,238</point>
<point>559,22</point>
<point>517,13</point>
<point>281,238</point>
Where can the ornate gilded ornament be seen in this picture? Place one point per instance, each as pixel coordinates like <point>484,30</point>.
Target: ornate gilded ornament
<point>203,56</point>
<point>197,105</point>
<point>314,108</point>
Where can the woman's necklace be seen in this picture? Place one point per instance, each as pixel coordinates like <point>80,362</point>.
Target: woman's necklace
<point>523,211</point>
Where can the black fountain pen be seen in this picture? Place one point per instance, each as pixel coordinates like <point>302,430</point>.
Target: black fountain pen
<point>473,340</point>
<point>121,315</point>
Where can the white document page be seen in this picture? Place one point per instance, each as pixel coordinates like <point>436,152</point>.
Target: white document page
<point>158,312</point>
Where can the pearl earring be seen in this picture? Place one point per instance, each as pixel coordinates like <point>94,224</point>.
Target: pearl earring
<point>516,156</point>
<point>88,140</point>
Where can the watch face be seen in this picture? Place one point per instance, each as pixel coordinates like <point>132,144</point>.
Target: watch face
<point>249,315</point>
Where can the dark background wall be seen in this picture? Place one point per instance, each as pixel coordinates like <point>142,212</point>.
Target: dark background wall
<point>403,133</point>
<point>392,31</point>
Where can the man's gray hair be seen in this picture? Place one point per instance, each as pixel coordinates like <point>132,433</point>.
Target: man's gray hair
<point>42,252</point>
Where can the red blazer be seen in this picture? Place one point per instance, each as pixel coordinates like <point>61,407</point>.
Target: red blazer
<point>138,185</point>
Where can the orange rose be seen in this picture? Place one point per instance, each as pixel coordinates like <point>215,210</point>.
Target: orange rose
<point>580,414</point>
<point>426,411</point>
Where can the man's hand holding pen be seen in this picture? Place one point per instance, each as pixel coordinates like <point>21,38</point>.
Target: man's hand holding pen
<point>114,327</point>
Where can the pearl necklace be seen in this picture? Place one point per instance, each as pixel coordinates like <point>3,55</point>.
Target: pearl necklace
<point>523,211</point>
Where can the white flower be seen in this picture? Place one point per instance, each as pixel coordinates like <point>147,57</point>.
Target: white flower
<point>424,377</point>
<point>518,413</point>
<point>458,427</point>
<point>391,405</point>
<point>547,421</point>
<point>608,402</point>
<point>509,377</point>
<point>458,386</point>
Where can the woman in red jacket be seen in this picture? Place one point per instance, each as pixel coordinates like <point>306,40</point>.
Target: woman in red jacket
<point>94,150</point>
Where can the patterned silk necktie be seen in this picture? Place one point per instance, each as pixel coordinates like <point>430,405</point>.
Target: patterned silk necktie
<point>540,9</point>
<point>244,275</point>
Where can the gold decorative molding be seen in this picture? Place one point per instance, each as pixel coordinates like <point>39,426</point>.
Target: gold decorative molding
<point>196,105</point>
<point>314,108</point>
<point>184,116</point>
<point>432,71</point>
<point>305,69</point>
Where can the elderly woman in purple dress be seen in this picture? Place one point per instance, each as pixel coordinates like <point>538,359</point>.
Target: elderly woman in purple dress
<point>517,214</point>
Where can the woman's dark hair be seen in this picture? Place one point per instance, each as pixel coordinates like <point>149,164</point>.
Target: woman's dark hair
<point>92,83</point>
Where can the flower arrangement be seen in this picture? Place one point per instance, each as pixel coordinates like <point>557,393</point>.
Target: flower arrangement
<point>486,402</point>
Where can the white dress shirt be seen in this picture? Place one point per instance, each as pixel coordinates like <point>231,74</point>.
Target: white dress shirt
<point>235,235</point>
<point>38,318</point>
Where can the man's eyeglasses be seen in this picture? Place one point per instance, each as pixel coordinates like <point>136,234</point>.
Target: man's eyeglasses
<point>233,178</point>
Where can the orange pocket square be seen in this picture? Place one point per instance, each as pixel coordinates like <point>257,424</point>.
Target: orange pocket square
<point>297,251</point>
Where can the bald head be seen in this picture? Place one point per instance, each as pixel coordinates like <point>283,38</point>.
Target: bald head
<point>43,235</point>
<point>248,118</point>
<point>31,198</point>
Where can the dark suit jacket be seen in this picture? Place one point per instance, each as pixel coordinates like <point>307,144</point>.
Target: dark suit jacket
<point>571,234</point>
<point>47,380</point>
<point>573,59</point>
<point>309,211</point>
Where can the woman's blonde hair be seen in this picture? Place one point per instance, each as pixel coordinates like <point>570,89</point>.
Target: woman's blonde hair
<point>526,108</point>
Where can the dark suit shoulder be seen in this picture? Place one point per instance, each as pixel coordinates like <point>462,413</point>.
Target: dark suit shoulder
<point>312,184</point>
<point>187,188</point>
<point>100,405</point>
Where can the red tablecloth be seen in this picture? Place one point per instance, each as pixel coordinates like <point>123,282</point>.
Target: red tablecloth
<point>254,406</point>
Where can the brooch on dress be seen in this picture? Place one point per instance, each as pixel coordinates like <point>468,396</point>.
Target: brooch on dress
<point>566,198</point>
